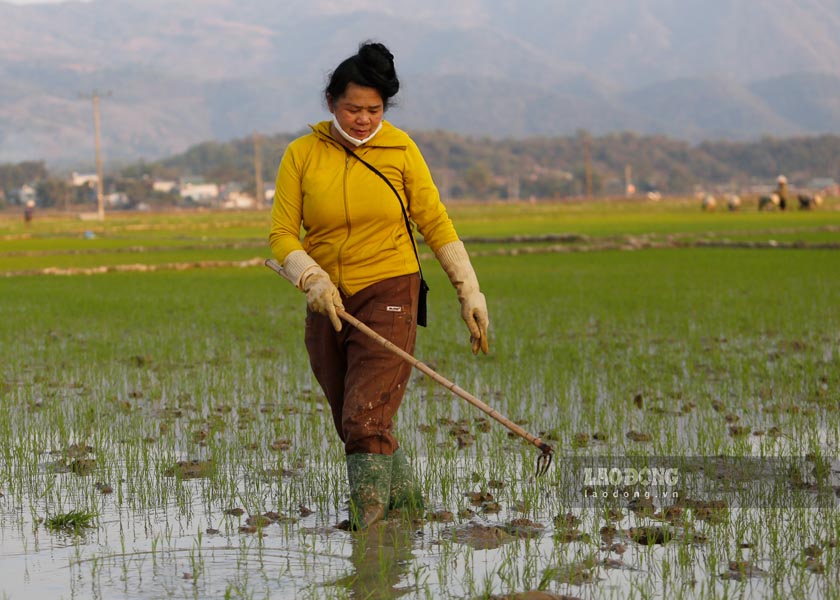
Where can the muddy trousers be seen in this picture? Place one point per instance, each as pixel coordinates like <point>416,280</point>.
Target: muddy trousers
<point>364,382</point>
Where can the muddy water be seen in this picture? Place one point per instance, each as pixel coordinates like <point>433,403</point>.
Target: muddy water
<point>482,542</point>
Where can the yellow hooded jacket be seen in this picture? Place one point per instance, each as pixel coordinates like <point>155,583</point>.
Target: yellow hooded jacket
<point>353,226</point>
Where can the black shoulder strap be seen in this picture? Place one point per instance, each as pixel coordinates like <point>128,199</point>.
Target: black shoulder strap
<point>399,199</point>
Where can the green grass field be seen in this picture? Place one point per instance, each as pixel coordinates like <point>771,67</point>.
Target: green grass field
<point>174,405</point>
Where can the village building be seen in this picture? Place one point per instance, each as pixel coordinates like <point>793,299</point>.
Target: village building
<point>200,193</point>
<point>24,195</point>
<point>163,186</point>
<point>117,200</point>
<point>82,179</point>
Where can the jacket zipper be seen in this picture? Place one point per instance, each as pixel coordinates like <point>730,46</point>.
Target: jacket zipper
<point>347,220</point>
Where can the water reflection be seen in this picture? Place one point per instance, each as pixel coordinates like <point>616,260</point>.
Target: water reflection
<point>381,556</point>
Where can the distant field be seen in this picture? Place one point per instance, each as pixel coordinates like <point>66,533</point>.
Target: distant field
<point>56,240</point>
<point>174,406</point>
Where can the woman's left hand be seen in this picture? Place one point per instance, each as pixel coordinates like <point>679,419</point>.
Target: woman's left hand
<point>455,261</point>
<point>474,313</point>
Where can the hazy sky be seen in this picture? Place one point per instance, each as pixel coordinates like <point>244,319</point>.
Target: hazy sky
<point>38,1</point>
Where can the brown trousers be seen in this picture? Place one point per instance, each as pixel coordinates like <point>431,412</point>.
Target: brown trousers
<point>364,382</point>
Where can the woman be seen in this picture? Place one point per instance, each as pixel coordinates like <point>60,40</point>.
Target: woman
<point>781,191</point>
<point>358,255</point>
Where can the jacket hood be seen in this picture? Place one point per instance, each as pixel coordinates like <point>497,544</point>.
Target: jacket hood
<point>388,137</point>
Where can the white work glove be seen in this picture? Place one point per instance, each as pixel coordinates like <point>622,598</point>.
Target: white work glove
<point>455,261</point>
<point>321,294</point>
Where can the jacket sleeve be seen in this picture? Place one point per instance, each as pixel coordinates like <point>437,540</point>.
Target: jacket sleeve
<point>287,211</point>
<point>424,203</point>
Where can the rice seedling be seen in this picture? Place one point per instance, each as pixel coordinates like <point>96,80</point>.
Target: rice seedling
<point>74,521</point>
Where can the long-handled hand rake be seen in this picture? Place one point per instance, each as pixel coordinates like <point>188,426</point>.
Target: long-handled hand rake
<point>543,461</point>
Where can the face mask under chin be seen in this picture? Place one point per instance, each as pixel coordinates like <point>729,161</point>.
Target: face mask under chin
<point>350,138</point>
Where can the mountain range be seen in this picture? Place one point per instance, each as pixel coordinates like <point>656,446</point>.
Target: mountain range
<point>172,73</point>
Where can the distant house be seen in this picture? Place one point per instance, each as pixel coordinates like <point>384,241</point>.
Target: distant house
<point>24,195</point>
<point>232,196</point>
<point>82,179</point>
<point>238,200</point>
<point>199,193</point>
<point>164,187</point>
<point>117,200</point>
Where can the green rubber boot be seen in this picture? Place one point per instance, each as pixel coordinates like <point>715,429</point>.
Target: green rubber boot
<point>370,484</point>
<point>405,492</point>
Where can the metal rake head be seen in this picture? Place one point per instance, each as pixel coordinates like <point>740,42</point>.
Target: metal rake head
<point>544,459</point>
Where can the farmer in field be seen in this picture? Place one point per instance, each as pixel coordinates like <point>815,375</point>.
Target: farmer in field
<point>29,212</point>
<point>781,191</point>
<point>358,254</point>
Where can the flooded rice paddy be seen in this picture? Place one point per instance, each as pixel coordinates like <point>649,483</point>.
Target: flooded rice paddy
<point>162,437</point>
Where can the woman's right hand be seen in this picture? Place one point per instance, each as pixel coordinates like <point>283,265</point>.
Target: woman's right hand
<point>322,296</point>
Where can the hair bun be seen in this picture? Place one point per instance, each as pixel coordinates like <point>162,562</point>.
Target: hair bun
<point>372,66</point>
<point>377,63</point>
<point>376,55</point>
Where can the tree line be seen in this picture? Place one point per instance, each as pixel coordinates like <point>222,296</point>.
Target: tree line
<point>485,168</point>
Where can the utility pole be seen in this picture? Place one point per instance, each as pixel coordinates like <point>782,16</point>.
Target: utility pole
<point>259,193</point>
<point>100,203</point>
<point>100,200</point>
<point>513,187</point>
<point>587,161</point>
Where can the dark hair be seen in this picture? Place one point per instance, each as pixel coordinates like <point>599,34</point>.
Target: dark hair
<point>372,66</point>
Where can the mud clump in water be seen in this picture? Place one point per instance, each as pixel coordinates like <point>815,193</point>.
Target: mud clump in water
<point>741,570</point>
<point>532,595</point>
<point>482,537</point>
<point>190,469</point>
<point>647,536</point>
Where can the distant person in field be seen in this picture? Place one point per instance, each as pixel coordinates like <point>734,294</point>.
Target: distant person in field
<point>358,254</point>
<point>29,212</point>
<point>781,191</point>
